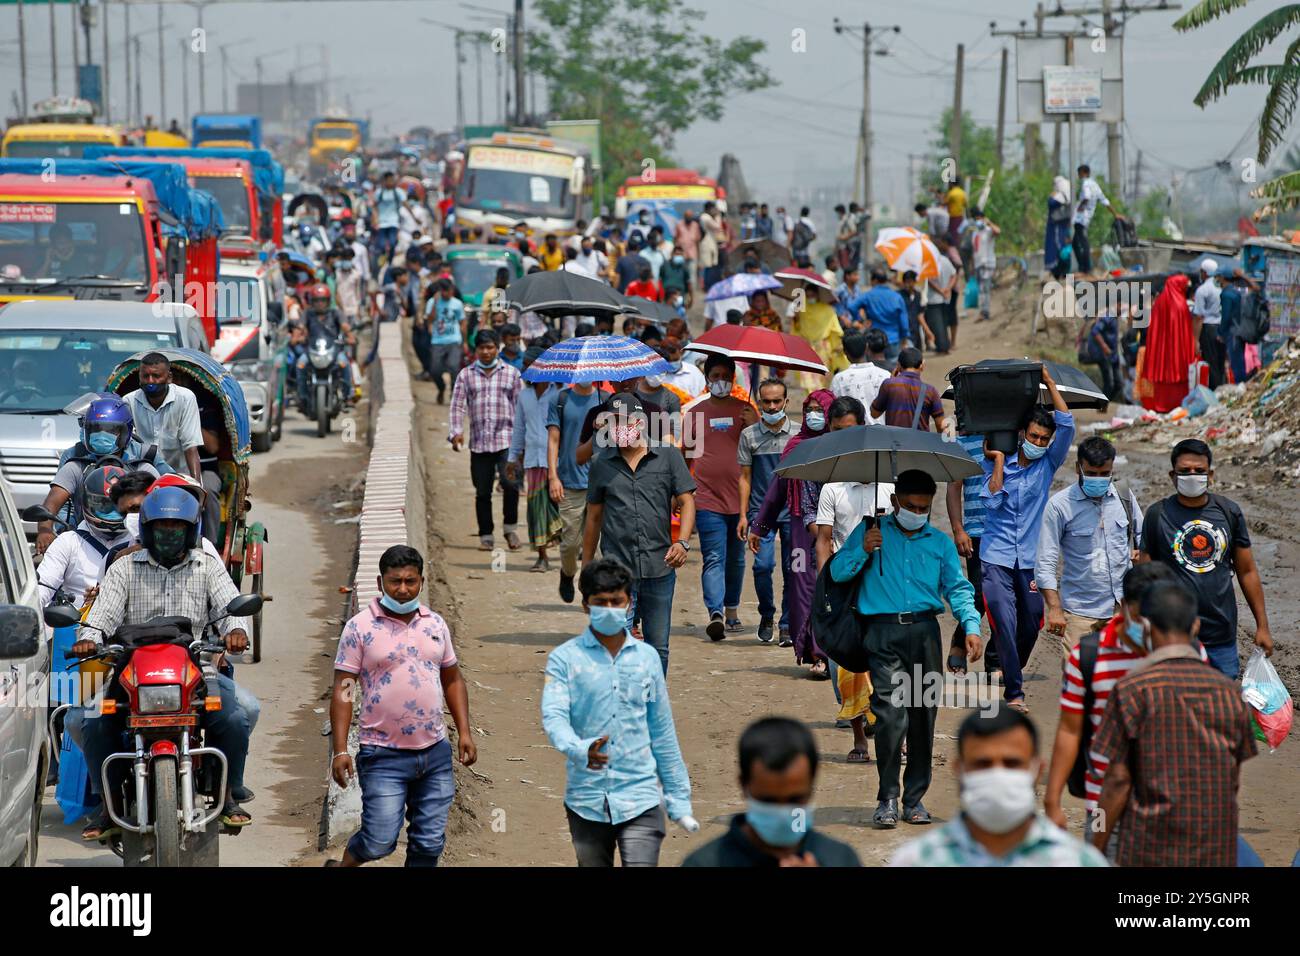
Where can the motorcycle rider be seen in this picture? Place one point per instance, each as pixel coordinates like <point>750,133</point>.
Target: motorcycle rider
<point>322,321</point>
<point>171,576</point>
<point>75,562</point>
<point>106,438</point>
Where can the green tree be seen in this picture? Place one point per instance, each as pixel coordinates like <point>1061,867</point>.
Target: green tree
<point>978,150</point>
<point>645,68</point>
<point>1234,67</point>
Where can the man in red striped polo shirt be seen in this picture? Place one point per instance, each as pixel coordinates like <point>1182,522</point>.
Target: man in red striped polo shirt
<point>1120,646</point>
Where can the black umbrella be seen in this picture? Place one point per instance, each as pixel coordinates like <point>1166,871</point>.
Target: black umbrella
<point>877,453</point>
<point>659,312</point>
<point>566,293</point>
<point>1075,386</point>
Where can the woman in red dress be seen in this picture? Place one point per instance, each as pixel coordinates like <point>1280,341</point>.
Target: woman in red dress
<point>1168,350</point>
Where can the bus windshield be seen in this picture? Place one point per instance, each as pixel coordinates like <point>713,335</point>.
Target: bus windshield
<point>48,241</point>
<point>232,196</point>
<point>527,194</point>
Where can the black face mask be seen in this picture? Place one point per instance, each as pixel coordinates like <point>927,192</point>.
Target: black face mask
<point>168,545</point>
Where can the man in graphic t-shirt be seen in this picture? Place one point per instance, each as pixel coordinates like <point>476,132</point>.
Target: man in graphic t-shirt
<point>1204,538</point>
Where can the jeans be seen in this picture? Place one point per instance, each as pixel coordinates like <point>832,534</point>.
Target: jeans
<point>638,839</point>
<point>1237,358</point>
<point>1214,354</point>
<point>484,468</point>
<point>420,344</point>
<point>892,350</point>
<point>226,729</point>
<point>385,243</point>
<point>415,783</point>
<point>764,566</point>
<point>652,605</point>
<point>984,275</point>
<point>1015,610</point>
<point>936,317</point>
<point>723,555</point>
<point>1224,659</point>
<point>444,358</point>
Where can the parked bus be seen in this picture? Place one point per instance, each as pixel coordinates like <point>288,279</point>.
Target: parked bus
<point>667,196</point>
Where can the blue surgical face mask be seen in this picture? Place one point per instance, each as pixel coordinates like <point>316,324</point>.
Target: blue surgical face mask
<point>910,520</point>
<point>154,388</point>
<point>607,620</point>
<point>102,443</point>
<point>774,418</point>
<point>1095,487</point>
<point>1136,634</point>
<point>1033,452</point>
<point>485,366</point>
<point>398,607</point>
<point>678,260</point>
<point>779,824</point>
<point>815,421</point>
<point>676,366</point>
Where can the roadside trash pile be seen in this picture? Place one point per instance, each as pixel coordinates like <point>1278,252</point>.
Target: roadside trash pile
<point>1255,423</point>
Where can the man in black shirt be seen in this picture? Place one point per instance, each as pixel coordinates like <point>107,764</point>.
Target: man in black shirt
<point>1204,538</point>
<point>778,766</point>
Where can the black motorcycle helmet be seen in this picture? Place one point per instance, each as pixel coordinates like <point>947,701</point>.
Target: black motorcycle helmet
<point>96,502</point>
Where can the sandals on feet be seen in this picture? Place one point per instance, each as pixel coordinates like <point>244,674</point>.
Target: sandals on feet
<point>916,815</point>
<point>512,541</point>
<point>819,671</point>
<point>858,756</point>
<point>886,815</point>
<point>233,815</point>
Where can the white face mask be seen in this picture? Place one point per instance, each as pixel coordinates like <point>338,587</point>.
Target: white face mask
<point>1192,486</point>
<point>132,524</point>
<point>998,799</point>
<point>720,389</point>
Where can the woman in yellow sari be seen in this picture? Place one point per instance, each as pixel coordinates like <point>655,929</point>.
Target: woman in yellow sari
<point>820,327</point>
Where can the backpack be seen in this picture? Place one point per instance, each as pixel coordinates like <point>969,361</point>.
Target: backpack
<point>1253,322</point>
<point>835,621</point>
<point>803,234</point>
<point>1089,644</point>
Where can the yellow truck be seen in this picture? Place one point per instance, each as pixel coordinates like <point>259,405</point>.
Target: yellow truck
<point>59,140</point>
<point>332,140</point>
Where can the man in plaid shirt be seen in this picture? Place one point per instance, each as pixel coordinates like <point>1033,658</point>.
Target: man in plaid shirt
<point>485,392</point>
<point>171,576</point>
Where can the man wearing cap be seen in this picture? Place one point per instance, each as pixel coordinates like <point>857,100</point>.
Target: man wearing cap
<point>633,487</point>
<point>1206,316</point>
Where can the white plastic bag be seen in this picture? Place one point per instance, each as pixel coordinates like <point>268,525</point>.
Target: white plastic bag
<point>1271,707</point>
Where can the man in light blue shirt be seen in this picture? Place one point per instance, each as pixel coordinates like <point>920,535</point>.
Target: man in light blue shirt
<point>389,200</point>
<point>885,309</point>
<point>445,317</point>
<point>1015,494</point>
<point>605,707</point>
<point>908,569</point>
<point>526,457</point>
<point>1090,533</point>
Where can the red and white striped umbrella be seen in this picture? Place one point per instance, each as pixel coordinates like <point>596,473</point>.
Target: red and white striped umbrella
<point>909,250</point>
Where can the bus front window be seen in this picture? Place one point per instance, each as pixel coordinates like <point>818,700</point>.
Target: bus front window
<point>42,242</point>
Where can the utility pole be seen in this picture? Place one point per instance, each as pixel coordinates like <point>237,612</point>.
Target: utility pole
<point>1137,179</point>
<point>1002,106</point>
<point>1032,159</point>
<point>519,62</point>
<point>203,57</point>
<point>103,82</point>
<point>22,56</point>
<point>460,85</point>
<point>162,74</point>
<point>185,84</point>
<point>76,51</point>
<point>478,68</point>
<point>258,65</point>
<point>139,89</point>
<point>225,62</point>
<point>954,135</point>
<point>1114,150</point>
<point>864,157</point>
<point>126,55</point>
<point>54,49</point>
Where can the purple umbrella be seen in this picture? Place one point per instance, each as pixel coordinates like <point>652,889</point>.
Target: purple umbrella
<point>742,283</point>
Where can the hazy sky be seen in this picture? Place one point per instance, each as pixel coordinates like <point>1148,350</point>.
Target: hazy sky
<point>802,132</point>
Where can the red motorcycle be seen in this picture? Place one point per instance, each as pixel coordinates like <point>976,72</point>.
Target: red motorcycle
<point>163,679</point>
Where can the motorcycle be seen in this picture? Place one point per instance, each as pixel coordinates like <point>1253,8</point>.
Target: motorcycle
<point>324,390</point>
<point>165,678</point>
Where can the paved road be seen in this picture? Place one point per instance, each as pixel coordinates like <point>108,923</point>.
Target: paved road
<point>308,557</point>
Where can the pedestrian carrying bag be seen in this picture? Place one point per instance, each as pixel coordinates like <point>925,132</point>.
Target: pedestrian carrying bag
<point>836,625</point>
<point>1253,322</point>
<point>1088,647</point>
<point>972,300</point>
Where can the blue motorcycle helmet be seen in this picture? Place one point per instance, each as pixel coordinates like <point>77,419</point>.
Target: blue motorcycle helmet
<point>96,499</point>
<point>106,427</point>
<point>169,524</point>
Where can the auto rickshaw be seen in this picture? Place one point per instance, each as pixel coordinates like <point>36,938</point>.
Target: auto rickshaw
<point>221,403</point>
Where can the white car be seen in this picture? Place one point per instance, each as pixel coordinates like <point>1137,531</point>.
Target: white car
<point>24,692</point>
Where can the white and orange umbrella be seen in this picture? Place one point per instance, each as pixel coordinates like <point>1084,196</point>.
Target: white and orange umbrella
<point>909,250</point>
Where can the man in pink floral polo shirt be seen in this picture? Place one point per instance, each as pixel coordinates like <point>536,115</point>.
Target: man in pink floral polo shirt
<point>396,658</point>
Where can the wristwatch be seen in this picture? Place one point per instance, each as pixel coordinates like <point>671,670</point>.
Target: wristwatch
<point>686,545</point>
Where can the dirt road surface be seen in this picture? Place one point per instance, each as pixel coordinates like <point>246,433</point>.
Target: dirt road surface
<point>308,556</point>
<point>506,620</point>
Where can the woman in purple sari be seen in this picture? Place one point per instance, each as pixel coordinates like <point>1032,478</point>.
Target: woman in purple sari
<point>800,498</point>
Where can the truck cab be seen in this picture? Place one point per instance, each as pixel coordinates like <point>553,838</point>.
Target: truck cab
<point>56,140</point>
<point>237,130</point>
<point>331,140</point>
<point>250,344</point>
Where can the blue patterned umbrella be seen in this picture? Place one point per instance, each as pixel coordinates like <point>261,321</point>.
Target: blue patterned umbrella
<point>742,283</point>
<point>596,358</point>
